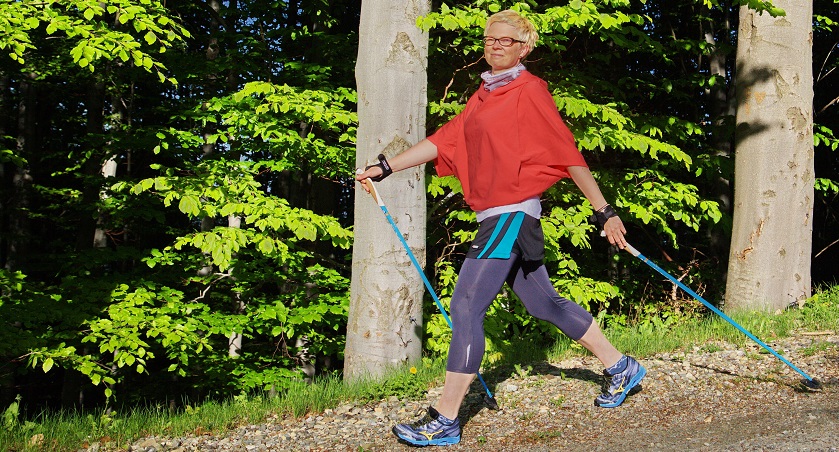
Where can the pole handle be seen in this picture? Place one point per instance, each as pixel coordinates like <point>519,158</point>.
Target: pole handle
<point>369,187</point>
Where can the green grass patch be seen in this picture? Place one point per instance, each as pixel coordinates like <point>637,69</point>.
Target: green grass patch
<point>71,430</point>
<point>816,348</point>
<point>821,313</point>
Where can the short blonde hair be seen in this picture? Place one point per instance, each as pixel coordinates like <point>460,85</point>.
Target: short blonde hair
<point>527,32</point>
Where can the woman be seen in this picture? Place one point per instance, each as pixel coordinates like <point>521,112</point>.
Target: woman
<point>507,147</point>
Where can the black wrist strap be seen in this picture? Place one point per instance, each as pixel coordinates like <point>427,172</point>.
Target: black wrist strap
<point>602,215</point>
<point>386,171</point>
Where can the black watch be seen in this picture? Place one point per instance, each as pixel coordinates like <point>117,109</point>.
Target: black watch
<point>602,215</point>
<point>386,171</point>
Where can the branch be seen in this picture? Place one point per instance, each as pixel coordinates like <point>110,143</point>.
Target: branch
<point>446,91</point>
<point>825,248</point>
<point>210,285</point>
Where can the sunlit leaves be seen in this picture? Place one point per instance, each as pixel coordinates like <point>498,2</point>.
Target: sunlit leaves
<point>610,129</point>
<point>91,26</point>
<point>269,116</point>
<point>826,185</point>
<point>654,199</point>
<point>823,136</point>
<point>270,224</point>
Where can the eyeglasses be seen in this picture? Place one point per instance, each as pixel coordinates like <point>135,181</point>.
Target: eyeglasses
<point>505,42</point>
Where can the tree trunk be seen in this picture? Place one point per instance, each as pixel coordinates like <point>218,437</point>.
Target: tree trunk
<point>234,340</point>
<point>385,317</point>
<point>769,261</point>
<point>722,108</point>
<point>6,171</point>
<point>17,229</point>
<point>92,166</point>
<point>100,235</point>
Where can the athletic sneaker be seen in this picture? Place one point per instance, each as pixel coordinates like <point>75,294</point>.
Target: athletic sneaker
<point>432,430</point>
<point>621,382</point>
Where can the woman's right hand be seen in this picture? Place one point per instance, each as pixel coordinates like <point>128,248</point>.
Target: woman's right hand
<point>363,175</point>
<point>373,171</point>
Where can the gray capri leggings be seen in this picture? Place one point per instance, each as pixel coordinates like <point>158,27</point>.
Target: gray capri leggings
<point>479,282</point>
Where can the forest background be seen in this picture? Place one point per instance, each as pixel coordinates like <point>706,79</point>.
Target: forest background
<point>176,192</point>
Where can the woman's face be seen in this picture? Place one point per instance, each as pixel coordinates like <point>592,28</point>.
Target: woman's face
<point>498,56</point>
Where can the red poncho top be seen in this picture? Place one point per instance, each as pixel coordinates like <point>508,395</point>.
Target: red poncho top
<point>507,145</point>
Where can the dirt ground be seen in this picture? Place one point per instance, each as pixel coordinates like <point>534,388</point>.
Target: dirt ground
<point>733,399</point>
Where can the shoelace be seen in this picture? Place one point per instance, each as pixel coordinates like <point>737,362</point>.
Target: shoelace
<point>425,420</point>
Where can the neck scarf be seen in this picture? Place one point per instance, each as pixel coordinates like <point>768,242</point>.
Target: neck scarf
<point>493,81</point>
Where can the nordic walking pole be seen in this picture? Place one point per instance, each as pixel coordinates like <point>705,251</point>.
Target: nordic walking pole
<point>808,381</point>
<point>488,398</point>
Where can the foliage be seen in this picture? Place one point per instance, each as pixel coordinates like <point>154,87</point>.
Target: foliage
<point>146,319</point>
<point>403,384</point>
<point>219,223</point>
<point>817,314</point>
<point>115,30</point>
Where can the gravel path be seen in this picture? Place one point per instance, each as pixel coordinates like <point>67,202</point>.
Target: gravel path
<point>712,398</point>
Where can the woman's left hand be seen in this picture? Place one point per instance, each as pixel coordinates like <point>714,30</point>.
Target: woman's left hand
<point>615,232</point>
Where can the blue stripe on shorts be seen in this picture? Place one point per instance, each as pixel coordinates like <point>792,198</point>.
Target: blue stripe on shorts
<point>508,230</point>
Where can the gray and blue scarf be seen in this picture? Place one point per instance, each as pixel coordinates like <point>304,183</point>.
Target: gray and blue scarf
<point>493,81</point>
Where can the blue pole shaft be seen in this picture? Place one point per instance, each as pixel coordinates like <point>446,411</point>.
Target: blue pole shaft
<point>716,310</point>
<point>417,265</point>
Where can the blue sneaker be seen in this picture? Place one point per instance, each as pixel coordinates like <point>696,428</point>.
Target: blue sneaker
<point>621,382</point>
<point>432,430</point>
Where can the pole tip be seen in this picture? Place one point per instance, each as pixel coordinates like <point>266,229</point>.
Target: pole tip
<point>811,384</point>
<point>490,401</point>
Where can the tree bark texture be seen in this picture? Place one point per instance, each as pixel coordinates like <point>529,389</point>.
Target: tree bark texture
<point>769,260</point>
<point>385,318</point>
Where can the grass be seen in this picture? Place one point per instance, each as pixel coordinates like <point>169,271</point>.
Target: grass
<point>820,314</point>
<point>70,430</point>
<point>67,430</point>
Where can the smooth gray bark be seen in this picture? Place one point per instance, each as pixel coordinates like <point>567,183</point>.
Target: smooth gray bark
<point>771,244</point>
<point>385,319</point>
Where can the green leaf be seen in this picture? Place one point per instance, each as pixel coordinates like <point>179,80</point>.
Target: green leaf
<point>266,246</point>
<point>449,23</point>
<point>189,205</point>
<point>48,363</point>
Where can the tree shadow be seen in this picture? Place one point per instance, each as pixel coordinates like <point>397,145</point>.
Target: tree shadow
<point>798,385</point>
